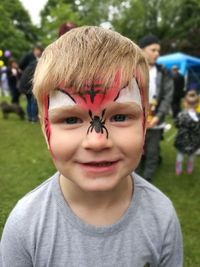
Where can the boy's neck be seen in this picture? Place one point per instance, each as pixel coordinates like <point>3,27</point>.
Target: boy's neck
<point>98,208</point>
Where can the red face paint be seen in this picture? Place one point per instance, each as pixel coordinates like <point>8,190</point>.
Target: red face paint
<point>47,127</point>
<point>138,80</point>
<point>94,96</point>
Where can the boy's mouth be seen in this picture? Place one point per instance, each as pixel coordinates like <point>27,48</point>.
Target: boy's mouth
<point>99,167</point>
<point>99,164</point>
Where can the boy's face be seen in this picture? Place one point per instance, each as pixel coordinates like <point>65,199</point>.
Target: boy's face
<point>96,143</point>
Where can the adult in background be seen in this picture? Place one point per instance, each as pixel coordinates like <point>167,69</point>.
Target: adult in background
<point>30,56</point>
<point>179,84</point>
<point>27,65</point>
<point>160,97</point>
<point>26,87</point>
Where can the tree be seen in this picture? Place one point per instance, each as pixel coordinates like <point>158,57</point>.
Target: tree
<point>53,15</point>
<point>16,30</point>
<point>188,28</point>
<point>176,23</point>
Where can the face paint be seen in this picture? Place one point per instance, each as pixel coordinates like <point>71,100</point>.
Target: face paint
<point>46,122</point>
<point>131,94</point>
<point>97,98</point>
<point>94,98</point>
<point>97,123</point>
<point>91,97</point>
<point>142,93</point>
<point>60,98</point>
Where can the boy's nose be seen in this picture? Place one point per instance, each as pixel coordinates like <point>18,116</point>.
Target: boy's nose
<point>97,140</point>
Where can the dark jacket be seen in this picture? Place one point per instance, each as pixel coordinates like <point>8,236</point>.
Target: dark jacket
<point>13,80</point>
<point>25,85</point>
<point>164,92</point>
<point>26,60</point>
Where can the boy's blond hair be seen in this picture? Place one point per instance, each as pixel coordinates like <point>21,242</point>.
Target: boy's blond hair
<point>86,54</point>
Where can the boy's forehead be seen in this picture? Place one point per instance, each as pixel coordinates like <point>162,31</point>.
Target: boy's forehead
<point>94,96</point>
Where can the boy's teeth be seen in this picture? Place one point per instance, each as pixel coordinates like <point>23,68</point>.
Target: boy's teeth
<point>101,164</point>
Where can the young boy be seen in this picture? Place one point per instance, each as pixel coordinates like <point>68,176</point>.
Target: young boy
<point>91,87</point>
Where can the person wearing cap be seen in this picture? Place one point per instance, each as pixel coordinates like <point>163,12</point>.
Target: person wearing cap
<point>160,98</point>
<point>179,84</point>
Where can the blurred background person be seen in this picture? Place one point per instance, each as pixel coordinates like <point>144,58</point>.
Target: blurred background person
<point>187,140</point>
<point>4,82</point>
<point>27,65</point>
<point>13,75</point>
<point>160,98</point>
<point>179,84</point>
<point>65,27</point>
<point>31,56</point>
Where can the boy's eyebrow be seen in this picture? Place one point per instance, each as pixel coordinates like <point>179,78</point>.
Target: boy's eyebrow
<point>59,111</point>
<point>123,106</point>
<point>77,109</point>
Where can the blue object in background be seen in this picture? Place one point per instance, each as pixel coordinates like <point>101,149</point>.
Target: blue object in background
<point>188,66</point>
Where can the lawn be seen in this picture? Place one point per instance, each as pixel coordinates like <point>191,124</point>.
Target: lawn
<point>25,162</point>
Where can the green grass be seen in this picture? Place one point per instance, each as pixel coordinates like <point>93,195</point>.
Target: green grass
<point>25,162</point>
<point>184,192</point>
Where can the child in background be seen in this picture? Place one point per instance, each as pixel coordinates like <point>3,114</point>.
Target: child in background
<point>92,89</point>
<point>13,74</point>
<point>187,139</point>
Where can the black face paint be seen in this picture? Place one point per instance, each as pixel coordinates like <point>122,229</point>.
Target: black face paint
<point>64,92</point>
<point>97,123</point>
<point>91,92</point>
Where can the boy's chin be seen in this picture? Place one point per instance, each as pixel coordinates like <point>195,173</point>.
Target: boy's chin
<point>98,184</point>
<point>99,187</point>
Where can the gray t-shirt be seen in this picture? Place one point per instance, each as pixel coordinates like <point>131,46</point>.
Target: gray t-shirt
<point>43,231</point>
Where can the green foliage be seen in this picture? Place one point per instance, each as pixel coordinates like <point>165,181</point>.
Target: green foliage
<point>177,23</point>
<point>51,22</point>
<point>16,30</point>
<point>173,21</point>
<point>130,19</point>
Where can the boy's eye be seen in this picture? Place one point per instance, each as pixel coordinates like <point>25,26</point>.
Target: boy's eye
<point>72,120</point>
<point>119,117</point>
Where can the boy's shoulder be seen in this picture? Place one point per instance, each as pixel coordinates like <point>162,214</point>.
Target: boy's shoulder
<point>152,199</point>
<point>31,203</point>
